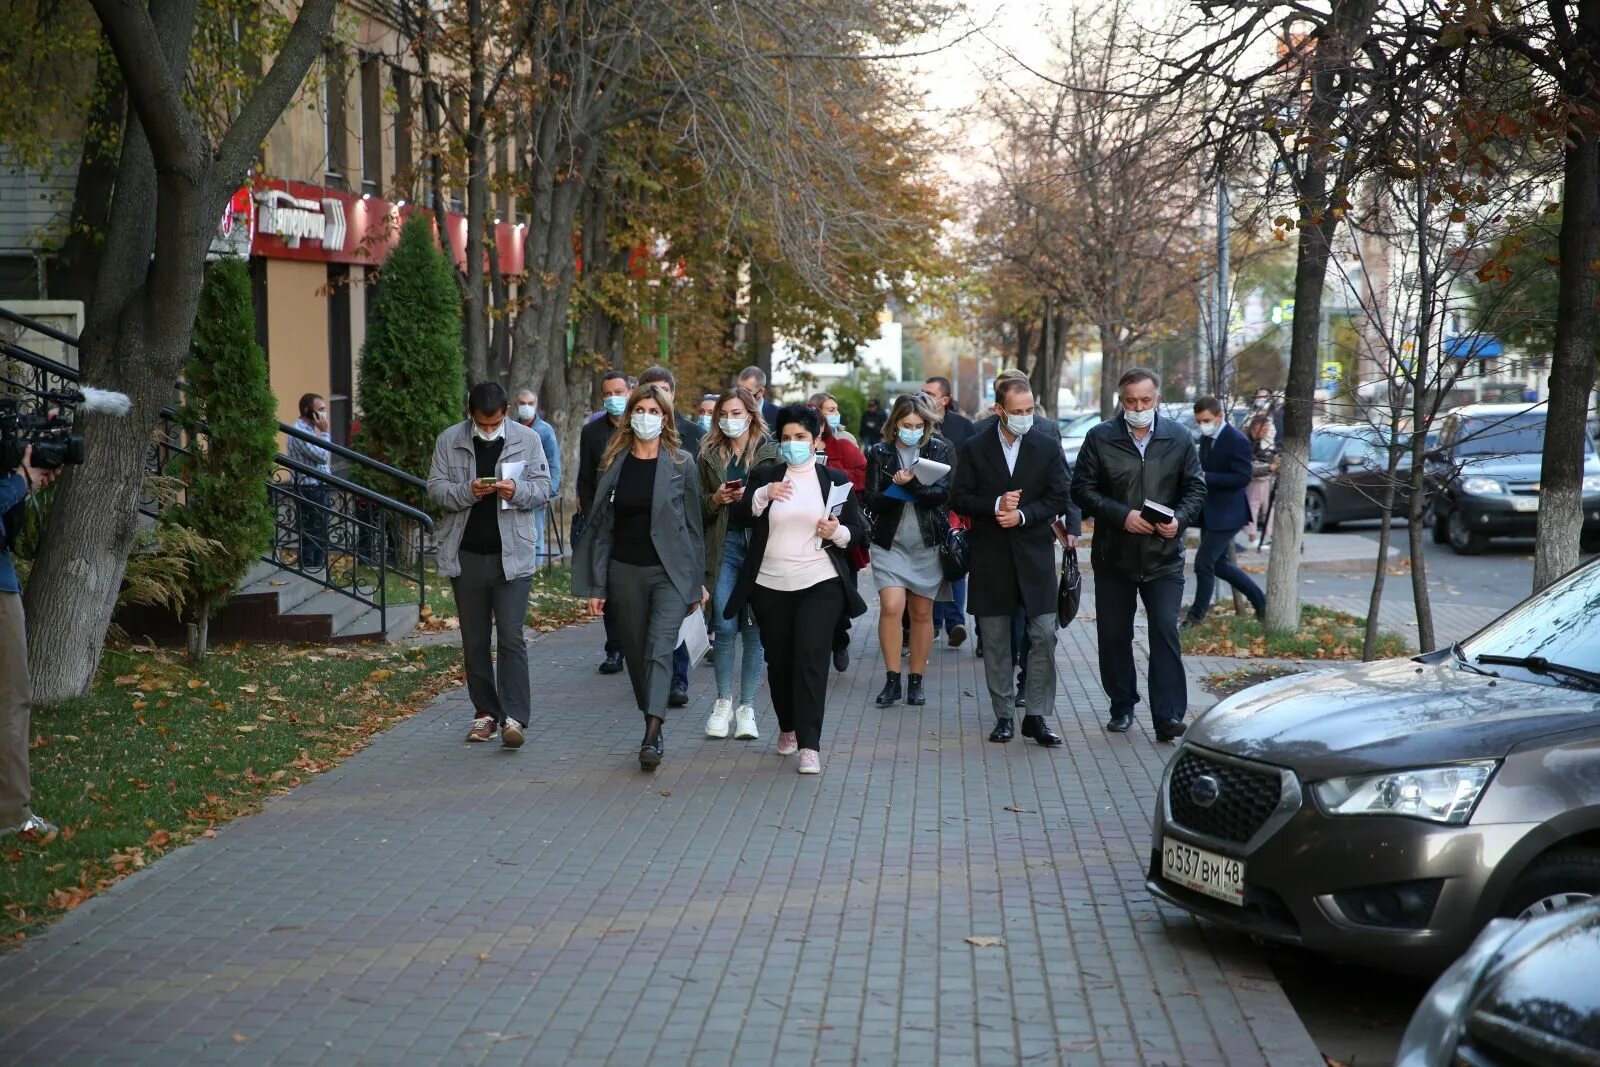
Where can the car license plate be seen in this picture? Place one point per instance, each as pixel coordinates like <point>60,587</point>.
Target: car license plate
<point>1524,503</point>
<point>1204,872</point>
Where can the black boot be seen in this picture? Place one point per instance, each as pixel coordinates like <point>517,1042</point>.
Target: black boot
<point>914,690</point>
<point>651,749</point>
<point>890,694</point>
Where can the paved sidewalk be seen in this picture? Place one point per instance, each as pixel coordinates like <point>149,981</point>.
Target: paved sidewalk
<point>431,902</point>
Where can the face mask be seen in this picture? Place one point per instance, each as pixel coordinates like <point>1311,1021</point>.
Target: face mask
<point>1019,424</point>
<point>834,422</point>
<point>1263,403</point>
<point>616,405</point>
<point>1141,420</point>
<point>734,427</point>
<point>482,435</point>
<point>1209,429</point>
<point>705,423</point>
<point>646,425</point>
<point>526,412</point>
<point>909,438</point>
<point>795,453</point>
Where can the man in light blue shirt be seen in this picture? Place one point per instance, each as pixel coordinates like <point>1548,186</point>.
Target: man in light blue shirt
<point>528,415</point>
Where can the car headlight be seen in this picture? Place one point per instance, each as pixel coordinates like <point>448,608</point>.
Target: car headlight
<point>1480,486</point>
<point>1438,794</point>
<point>1440,1019</point>
<point>1591,484</point>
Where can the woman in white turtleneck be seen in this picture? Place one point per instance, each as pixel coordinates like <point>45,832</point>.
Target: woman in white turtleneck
<point>794,578</point>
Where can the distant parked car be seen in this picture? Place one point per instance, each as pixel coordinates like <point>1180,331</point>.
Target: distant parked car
<point>1524,993</point>
<point>1345,477</point>
<point>1485,477</point>
<point>1074,430</point>
<point>1386,812</point>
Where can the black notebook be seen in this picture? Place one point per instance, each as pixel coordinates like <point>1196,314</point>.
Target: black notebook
<point>1156,514</point>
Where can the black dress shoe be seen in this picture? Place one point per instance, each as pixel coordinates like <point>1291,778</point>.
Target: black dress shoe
<point>1019,701</point>
<point>1190,622</point>
<point>1170,731</point>
<point>841,659</point>
<point>613,663</point>
<point>1002,730</point>
<point>1035,727</point>
<point>890,693</point>
<point>914,690</point>
<point>679,697</point>
<point>652,748</point>
<point>1120,722</point>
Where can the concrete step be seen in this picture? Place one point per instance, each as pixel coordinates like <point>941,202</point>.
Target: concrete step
<point>402,621</point>
<point>342,610</point>
<point>291,589</point>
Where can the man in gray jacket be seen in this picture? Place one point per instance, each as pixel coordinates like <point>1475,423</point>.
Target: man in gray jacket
<point>490,477</point>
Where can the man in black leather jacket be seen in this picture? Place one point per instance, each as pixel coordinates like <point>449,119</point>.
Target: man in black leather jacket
<point>1130,458</point>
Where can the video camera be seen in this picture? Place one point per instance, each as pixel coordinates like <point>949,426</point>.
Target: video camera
<point>43,420</point>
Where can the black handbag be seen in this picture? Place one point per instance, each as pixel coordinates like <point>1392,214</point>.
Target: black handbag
<point>955,551</point>
<point>1070,591</point>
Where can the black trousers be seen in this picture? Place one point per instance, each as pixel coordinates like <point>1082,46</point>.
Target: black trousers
<point>797,637</point>
<point>1115,599</point>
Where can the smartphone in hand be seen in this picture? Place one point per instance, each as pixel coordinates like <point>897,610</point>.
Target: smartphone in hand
<point>734,486</point>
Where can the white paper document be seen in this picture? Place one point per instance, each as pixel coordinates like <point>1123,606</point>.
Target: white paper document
<point>837,495</point>
<point>512,470</point>
<point>692,634</point>
<point>928,471</point>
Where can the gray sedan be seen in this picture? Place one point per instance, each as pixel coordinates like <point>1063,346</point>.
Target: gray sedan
<point>1386,812</point>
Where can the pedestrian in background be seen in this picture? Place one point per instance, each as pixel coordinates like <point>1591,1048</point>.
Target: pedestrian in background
<point>754,380</point>
<point>871,429</point>
<point>1134,457</point>
<point>828,404</point>
<point>1263,473</point>
<point>1225,459</point>
<point>1013,484</point>
<point>486,550</point>
<point>833,450</point>
<point>528,415</point>
<point>615,388</point>
<point>643,552</point>
<point>16,779</point>
<point>708,413</point>
<point>737,444</point>
<point>311,490</point>
<point>795,578</point>
<point>905,540</point>
<point>950,616</point>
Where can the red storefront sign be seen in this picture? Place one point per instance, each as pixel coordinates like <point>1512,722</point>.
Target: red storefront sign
<point>296,220</point>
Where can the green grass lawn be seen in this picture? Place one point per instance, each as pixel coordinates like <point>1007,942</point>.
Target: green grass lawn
<point>158,753</point>
<point>1323,634</point>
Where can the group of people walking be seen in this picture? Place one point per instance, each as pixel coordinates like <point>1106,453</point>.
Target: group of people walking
<point>755,521</point>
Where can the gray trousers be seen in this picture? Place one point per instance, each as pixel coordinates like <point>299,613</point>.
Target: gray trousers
<point>14,782</point>
<point>997,666</point>
<point>493,608</point>
<point>648,611</point>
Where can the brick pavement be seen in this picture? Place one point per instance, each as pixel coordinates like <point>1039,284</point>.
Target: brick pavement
<point>432,902</point>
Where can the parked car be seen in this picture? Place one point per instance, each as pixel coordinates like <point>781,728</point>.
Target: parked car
<point>1074,430</point>
<point>1484,477</point>
<point>1345,476</point>
<point>1524,993</point>
<point>1385,812</point>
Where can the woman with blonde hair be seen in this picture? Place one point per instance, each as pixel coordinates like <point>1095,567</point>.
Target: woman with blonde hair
<point>643,551</point>
<point>906,539</point>
<point>736,445</point>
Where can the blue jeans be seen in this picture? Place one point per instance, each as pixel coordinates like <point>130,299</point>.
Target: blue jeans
<point>729,631</point>
<point>953,612</point>
<point>1210,563</point>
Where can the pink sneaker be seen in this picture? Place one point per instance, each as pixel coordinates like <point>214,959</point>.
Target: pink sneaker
<point>787,745</point>
<point>810,761</point>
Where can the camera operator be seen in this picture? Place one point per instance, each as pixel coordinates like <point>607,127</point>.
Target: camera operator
<point>15,814</point>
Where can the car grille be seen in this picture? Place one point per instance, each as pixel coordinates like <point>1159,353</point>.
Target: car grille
<point>1245,800</point>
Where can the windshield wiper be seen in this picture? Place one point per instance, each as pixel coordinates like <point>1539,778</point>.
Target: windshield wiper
<point>1462,659</point>
<point>1540,665</point>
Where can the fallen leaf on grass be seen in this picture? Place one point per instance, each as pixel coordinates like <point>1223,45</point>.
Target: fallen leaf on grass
<point>245,729</point>
<point>251,688</point>
<point>126,679</point>
<point>160,839</point>
<point>985,941</point>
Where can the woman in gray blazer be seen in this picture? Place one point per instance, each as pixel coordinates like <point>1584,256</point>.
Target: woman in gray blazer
<point>644,551</point>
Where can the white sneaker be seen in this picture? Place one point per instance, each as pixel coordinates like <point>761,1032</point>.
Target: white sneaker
<point>787,744</point>
<point>810,761</point>
<point>721,715</point>
<point>745,724</point>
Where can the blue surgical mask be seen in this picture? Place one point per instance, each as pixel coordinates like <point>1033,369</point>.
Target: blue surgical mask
<point>834,422</point>
<point>646,425</point>
<point>705,423</point>
<point>1019,424</point>
<point>616,405</point>
<point>796,453</point>
<point>909,438</point>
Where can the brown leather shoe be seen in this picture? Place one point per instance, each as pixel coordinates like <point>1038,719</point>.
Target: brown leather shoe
<point>483,729</point>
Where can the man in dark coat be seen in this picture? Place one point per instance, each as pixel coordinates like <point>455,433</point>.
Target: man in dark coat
<point>871,428</point>
<point>1225,456</point>
<point>950,616</point>
<point>1012,483</point>
<point>1134,457</point>
<point>755,380</point>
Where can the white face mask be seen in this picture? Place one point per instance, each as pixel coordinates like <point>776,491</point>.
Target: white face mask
<point>1209,429</point>
<point>480,434</point>
<point>734,427</point>
<point>1140,420</point>
<point>646,425</point>
<point>1019,424</point>
<point>526,412</point>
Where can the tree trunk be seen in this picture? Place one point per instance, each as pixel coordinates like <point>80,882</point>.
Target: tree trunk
<point>1380,573</point>
<point>198,633</point>
<point>1110,367</point>
<point>1572,364</point>
<point>79,259</point>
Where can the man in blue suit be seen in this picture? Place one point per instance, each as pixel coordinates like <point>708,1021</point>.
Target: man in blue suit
<point>1225,458</point>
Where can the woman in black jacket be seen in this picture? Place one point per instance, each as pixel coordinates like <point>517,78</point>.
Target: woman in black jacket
<point>905,541</point>
<point>795,577</point>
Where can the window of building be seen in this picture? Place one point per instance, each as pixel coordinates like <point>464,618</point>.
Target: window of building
<point>371,126</point>
<point>403,118</point>
<point>335,130</point>
<point>341,363</point>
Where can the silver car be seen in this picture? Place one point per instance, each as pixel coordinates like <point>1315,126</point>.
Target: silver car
<point>1386,812</point>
